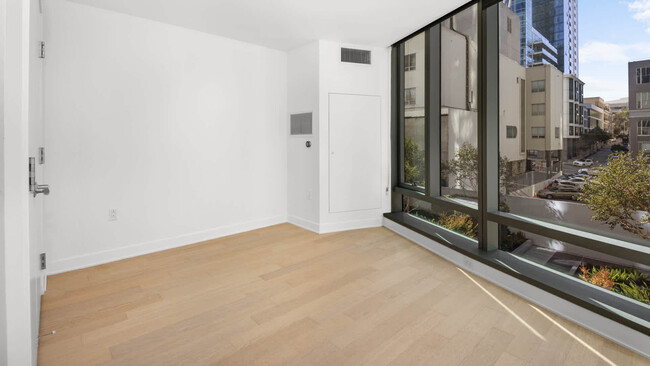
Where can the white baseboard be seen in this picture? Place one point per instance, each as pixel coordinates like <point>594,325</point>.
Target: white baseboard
<point>616,332</point>
<point>112,255</point>
<point>351,225</point>
<point>336,226</point>
<point>303,223</point>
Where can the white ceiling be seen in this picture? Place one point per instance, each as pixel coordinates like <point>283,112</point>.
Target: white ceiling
<point>287,24</point>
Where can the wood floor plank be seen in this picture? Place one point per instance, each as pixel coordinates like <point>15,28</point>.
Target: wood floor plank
<point>285,296</point>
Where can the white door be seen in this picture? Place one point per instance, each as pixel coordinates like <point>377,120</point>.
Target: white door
<point>355,152</point>
<point>35,117</point>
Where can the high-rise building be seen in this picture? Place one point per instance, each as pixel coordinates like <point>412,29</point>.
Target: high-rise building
<point>557,20</point>
<point>549,33</point>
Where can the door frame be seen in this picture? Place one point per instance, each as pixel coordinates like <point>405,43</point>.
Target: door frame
<point>14,193</point>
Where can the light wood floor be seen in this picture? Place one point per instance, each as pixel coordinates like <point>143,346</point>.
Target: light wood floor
<point>283,295</point>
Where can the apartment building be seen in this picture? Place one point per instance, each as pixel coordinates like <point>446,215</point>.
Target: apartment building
<point>600,114</point>
<point>544,116</point>
<point>639,97</point>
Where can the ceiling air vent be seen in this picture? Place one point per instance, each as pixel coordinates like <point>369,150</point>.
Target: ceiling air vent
<point>355,56</point>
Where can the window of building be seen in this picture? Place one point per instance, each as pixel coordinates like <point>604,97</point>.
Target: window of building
<point>643,100</point>
<point>409,62</point>
<point>571,93</point>
<point>557,132</point>
<point>539,109</point>
<point>538,132</point>
<point>511,132</point>
<point>539,86</point>
<point>643,75</point>
<point>409,96</point>
<point>413,144</point>
<point>643,128</point>
<point>509,25</point>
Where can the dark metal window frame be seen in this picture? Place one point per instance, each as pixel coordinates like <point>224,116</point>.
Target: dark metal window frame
<point>487,210</point>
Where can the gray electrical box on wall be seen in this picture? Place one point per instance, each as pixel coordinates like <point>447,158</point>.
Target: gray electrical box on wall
<point>301,124</point>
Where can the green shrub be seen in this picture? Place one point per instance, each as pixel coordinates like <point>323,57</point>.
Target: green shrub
<point>459,222</point>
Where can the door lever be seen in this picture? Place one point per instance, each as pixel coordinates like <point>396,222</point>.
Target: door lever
<point>42,188</point>
<point>34,187</point>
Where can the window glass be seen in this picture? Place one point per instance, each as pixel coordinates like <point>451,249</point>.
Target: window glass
<point>511,132</point>
<point>643,128</point>
<point>643,100</point>
<point>414,117</point>
<point>409,62</point>
<point>539,109</point>
<point>539,86</point>
<point>608,272</point>
<point>458,222</point>
<point>538,132</point>
<point>459,107</point>
<point>572,174</point>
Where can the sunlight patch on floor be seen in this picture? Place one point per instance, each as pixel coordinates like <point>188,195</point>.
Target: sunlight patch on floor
<point>520,319</point>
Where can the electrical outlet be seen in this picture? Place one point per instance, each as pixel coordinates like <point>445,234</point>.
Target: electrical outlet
<point>112,214</point>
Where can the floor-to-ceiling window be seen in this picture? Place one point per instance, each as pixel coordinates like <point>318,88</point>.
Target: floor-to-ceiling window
<point>491,156</point>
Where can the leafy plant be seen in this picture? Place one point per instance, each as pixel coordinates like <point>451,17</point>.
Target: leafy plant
<point>599,277</point>
<point>640,293</point>
<point>621,189</point>
<point>625,281</point>
<point>413,163</point>
<point>459,222</point>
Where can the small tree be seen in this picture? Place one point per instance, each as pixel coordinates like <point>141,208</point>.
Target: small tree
<point>621,121</point>
<point>464,167</point>
<point>594,136</point>
<point>413,163</point>
<point>621,189</point>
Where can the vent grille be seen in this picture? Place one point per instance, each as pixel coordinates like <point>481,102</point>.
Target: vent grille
<point>301,124</point>
<point>355,56</point>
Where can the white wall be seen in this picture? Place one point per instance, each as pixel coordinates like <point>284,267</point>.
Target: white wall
<point>182,132</point>
<point>336,77</point>
<point>315,73</point>
<point>302,169</point>
<point>3,298</point>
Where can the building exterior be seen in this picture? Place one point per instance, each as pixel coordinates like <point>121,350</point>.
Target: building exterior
<point>639,97</point>
<point>512,93</point>
<point>574,114</point>
<point>618,105</point>
<point>544,116</point>
<point>557,21</point>
<point>534,48</point>
<point>600,114</point>
<point>595,116</point>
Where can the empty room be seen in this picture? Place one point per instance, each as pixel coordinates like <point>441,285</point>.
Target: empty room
<point>284,182</point>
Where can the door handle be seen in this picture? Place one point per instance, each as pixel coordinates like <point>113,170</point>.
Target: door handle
<point>34,187</point>
<point>42,188</point>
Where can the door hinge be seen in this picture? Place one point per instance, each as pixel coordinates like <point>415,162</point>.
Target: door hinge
<point>43,261</point>
<point>42,55</point>
<point>41,155</point>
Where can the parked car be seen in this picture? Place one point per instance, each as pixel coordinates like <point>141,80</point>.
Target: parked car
<point>589,171</point>
<point>577,182</point>
<point>583,162</point>
<point>559,192</point>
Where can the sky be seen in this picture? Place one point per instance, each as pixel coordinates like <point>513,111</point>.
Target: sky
<point>611,33</point>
